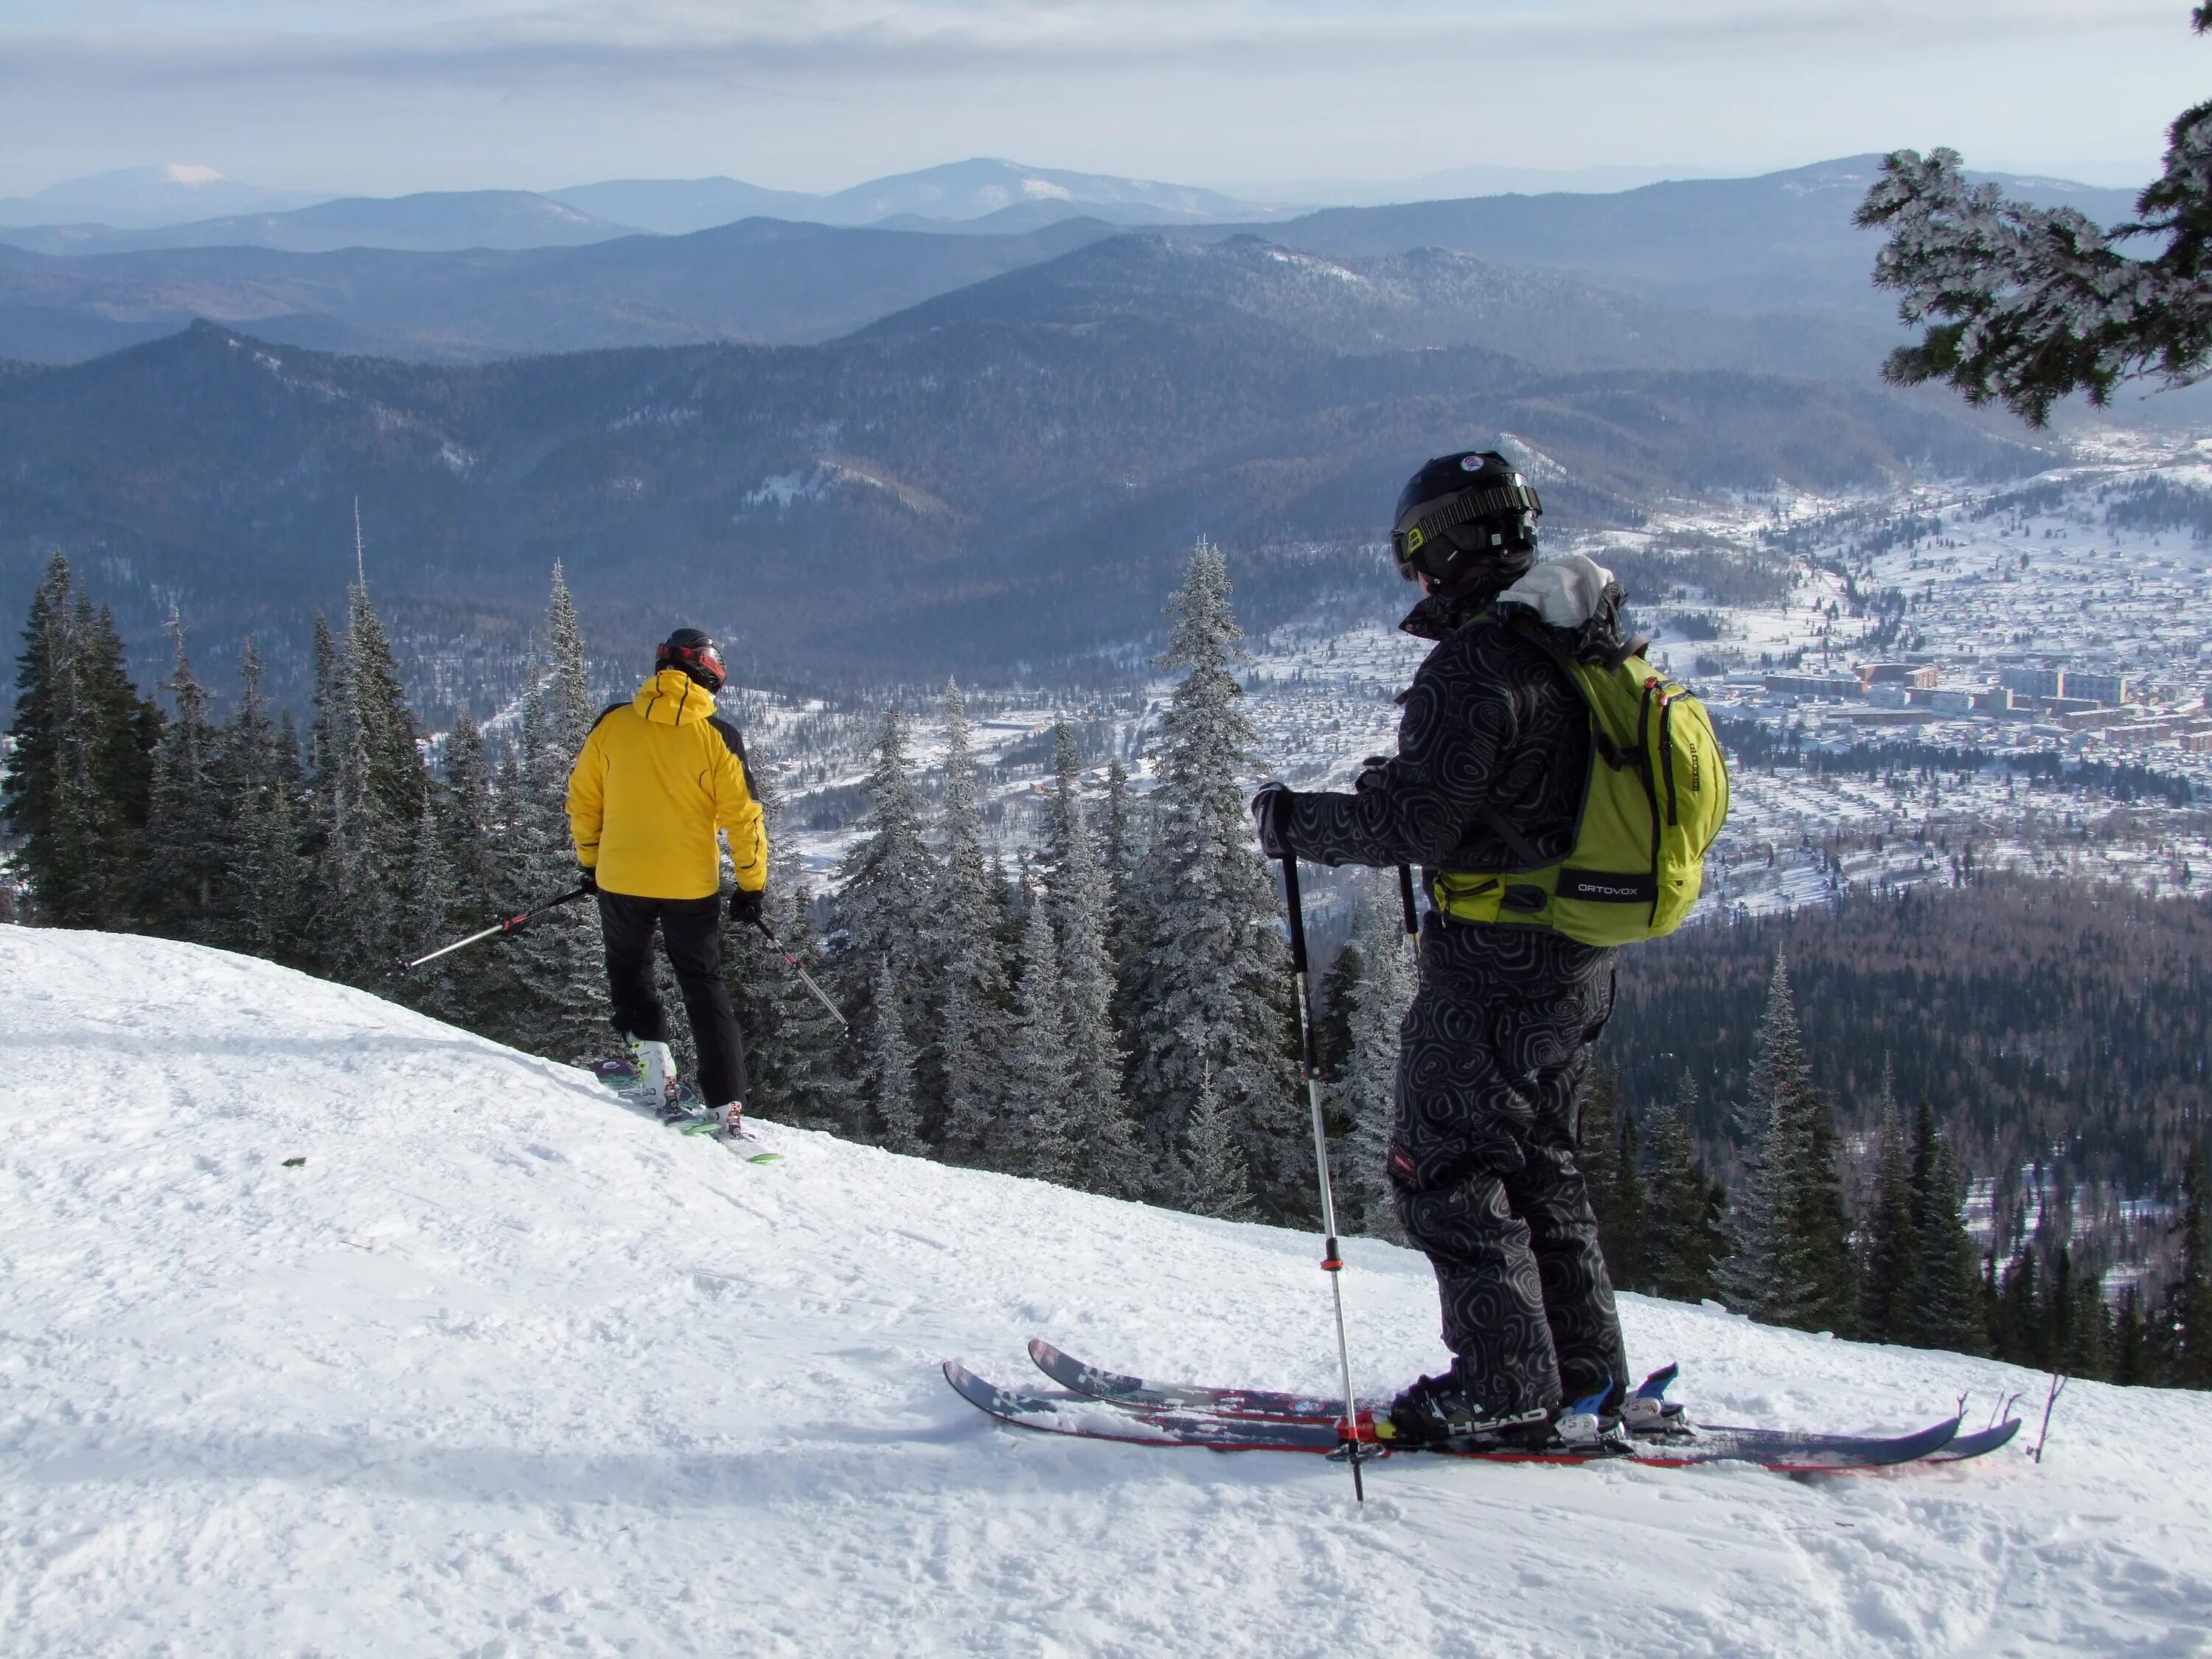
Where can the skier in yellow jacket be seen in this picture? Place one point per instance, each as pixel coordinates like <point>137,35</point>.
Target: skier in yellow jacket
<point>656,780</point>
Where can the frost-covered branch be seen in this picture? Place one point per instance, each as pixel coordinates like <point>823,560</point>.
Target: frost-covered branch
<point>2025,305</point>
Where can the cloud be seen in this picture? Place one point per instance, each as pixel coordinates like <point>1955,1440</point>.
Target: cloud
<point>519,47</point>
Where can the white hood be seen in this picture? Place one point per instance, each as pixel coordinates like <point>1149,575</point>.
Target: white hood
<point>1563,592</point>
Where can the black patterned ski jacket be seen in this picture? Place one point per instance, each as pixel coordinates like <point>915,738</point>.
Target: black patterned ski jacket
<point>1489,721</point>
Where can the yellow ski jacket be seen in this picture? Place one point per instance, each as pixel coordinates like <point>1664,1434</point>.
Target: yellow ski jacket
<point>657,777</point>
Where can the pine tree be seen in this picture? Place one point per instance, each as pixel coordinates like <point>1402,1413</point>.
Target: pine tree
<point>1208,959</point>
<point>1889,1278</point>
<point>1366,1082</point>
<point>1078,895</point>
<point>1597,1152</point>
<point>1685,1245</point>
<point>2186,1320</point>
<point>470,828</point>
<point>1628,1253</point>
<point>1948,1308</point>
<point>185,890</point>
<point>793,1045</point>
<point>1215,1181</point>
<point>1791,1263</point>
<point>881,916</point>
<point>796,1049</point>
<point>78,785</point>
<point>259,772</point>
<point>1119,855</point>
<point>424,915</point>
<point>2017,1328</point>
<point>558,961</point>
<point>889,1076</point>
<point>45,707</point>
<point>1041,1076</point>
<point>2131,1364</point>
<point>968,970</point>
<point>2077,1325</point>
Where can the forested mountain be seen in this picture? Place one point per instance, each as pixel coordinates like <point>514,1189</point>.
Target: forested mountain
<point>761,281</point>
<point>1780,242</point>
<point>2049,1022</point>
<point>1412,300</point>
<point>966,492</point>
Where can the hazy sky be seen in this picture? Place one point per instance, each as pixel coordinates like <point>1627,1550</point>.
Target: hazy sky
<point>388,95</point>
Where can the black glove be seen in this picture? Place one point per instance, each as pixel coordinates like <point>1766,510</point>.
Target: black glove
<point>588,879</point>
<point>749,906</point>
<point>1371,773</point>
<point>1270,815</point>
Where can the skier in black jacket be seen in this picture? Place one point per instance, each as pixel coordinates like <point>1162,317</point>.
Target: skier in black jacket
<point>1493,756</point>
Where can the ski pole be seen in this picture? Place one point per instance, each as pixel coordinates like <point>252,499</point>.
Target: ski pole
<point>506,927</point>
<point>1413,915</point>
<point>799,969</point>
<point>1332,1259</point>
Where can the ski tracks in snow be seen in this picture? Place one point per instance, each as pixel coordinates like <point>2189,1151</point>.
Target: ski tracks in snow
<point>502,1369</point>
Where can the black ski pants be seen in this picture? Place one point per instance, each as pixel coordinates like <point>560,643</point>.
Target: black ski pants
<point>691,930</point>
<point>1492,1062</point>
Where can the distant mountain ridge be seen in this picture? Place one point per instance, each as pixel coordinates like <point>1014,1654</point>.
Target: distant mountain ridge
<point>1010,197</point>
<point>760,280</point>
<point>961,488</point>
<point>136,198</point>
<point>433,221</point>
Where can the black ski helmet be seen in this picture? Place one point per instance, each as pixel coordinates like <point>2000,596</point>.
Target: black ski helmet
<point>1464,514</point>
<point>696,655</point>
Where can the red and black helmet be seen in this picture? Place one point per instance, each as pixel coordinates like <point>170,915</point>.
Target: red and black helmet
<point>696,655</point>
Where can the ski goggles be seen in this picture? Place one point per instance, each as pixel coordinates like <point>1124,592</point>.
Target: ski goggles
<point>1512,500</point>
<point>705,660</point>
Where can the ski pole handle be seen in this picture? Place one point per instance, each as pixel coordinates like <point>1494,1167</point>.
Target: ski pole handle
<point>1413,915</point>
<point>799,969</point>
<point>493,932</point>
<point>1295,907</point>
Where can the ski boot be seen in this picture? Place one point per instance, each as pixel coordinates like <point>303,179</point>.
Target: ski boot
<point>1648,1414</point>
<point>1444,1411</point>
<point>657,1081</point>
<point>730,1120</point>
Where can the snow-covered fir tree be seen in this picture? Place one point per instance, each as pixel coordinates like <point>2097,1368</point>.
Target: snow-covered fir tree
<point>425,917</point>
<point>1207,960</point>
<point>260,775</point>
<point>888,1080</point>
<point>76,789</point>
<point>1078,900</point>
<point>797,1052</point>
<point>1041,1080</point>
<point>1889,1272</point>
<point>1947,1307</point>
<point>1683,1243</point>
<point>558,959</point>
<point>966,970</point>
<point>1213,1178</point>
<point>1790,1261</point>
<point>185,890</point>
<point>881,919</point>
<point>1366,1084</point>
<point>795,1055</point>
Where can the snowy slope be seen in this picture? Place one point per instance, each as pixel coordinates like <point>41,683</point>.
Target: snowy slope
<point>503,1369</point>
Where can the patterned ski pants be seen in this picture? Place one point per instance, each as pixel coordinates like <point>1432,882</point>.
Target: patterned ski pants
<point>1492,1060</point>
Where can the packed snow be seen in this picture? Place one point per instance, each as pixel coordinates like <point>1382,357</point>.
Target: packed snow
<point>330,1329</point>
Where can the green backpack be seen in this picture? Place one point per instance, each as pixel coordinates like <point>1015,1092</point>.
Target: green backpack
<point>1657,795</point>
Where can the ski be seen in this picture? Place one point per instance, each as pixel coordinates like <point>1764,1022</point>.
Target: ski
<point>621,1078</point>
<point>1718,1443</point>
<point>1073,1374</point>
<point>1977,1442</point>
